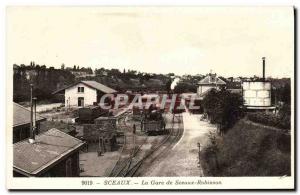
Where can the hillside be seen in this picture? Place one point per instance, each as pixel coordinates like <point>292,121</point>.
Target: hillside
<point>45,81</point>
<point>248,149</point>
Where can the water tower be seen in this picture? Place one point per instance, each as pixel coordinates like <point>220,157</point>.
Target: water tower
<point>257,93</point>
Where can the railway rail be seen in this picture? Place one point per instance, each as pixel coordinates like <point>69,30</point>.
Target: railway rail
<point>127,147</point>
<point>139,159</point>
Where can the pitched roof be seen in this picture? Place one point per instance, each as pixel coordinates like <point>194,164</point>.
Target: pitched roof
<point>92,84</point>
<point>212,79</point>
<point>21,115</point>
<point>99,86</point>
<point>49,148</point>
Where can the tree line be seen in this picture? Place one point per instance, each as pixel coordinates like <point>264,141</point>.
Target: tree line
<point>45,81</point>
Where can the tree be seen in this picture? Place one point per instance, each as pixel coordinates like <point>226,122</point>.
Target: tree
<point>168,85</point>
<point>285,94</point>
<point>45,81</point>
<point>183,87</point>
<point>223,108</point>
<point>62,66</point>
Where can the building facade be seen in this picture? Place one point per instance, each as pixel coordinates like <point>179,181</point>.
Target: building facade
<point>209,82</point>
<point>84,93</point>
<point>80,95</point>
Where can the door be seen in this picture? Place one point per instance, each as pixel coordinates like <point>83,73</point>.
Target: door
<point>80,102</point>
<point>69,168</point>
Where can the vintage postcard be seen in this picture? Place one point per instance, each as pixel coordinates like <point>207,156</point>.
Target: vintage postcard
<point>162,98</point>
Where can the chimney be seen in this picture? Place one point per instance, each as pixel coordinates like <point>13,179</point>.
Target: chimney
<point>264,76</point>
<point>31,139</point>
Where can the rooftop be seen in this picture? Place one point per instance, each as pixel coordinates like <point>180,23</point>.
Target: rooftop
<point>99,86</point>
<point>212,79</point>
<point>49,148</point>
<point>92,84</point>
<point>21,115</point>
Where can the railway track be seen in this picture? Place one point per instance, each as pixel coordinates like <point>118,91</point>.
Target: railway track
<point>127,149</point>
<point>156,152</point>
<point>125,160</point>
<point>139,159</point>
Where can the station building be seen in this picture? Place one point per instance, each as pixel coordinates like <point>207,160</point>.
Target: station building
<point>84,93</point>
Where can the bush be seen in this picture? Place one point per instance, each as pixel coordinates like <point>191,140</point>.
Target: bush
<point>223,108</point>
<point>270,119</point>
<point>248,150</point>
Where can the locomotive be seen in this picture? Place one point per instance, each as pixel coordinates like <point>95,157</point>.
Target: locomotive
<point>153,122</point>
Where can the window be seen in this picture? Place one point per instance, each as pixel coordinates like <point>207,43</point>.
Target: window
<point>80,89</point>
<point>81,101</point>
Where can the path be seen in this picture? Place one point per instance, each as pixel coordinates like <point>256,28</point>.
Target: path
<point>182,161</point>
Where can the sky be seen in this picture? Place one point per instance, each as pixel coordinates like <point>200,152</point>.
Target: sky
<point>229,41</point>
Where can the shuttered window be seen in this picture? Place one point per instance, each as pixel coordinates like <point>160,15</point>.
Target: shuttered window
<point>80,89</point>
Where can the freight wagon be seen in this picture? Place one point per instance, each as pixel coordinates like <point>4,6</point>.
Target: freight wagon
<point>90,113</point>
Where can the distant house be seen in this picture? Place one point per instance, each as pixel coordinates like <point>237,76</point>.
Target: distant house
<point>84,93</point>
<point>81,73</point>
<point>53,154</point>
<point>209,82</point>
<point>21,122</point>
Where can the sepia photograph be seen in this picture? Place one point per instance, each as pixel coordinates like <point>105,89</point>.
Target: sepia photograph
<point>150,97</point>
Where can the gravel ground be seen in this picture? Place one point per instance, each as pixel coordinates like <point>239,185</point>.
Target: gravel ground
<point>46,107</point>
<point>95,165</point>
<point>182,160</point>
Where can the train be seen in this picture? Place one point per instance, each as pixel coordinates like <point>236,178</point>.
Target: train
<point>153,122</point>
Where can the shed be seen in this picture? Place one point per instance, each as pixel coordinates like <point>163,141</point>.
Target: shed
<point>53,154</point>
<point>21,122</point>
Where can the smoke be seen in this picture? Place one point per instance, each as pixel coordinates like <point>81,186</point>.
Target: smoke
<point>174,83</point>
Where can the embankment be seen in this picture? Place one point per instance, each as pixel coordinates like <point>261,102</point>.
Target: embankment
<point>249,149</point>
